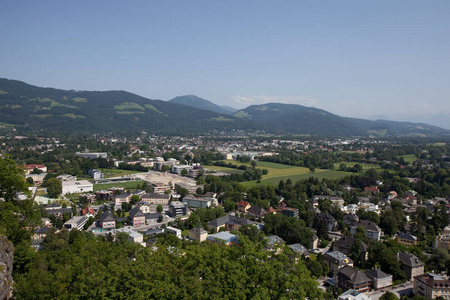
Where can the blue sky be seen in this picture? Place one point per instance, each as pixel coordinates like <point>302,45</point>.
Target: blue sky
<point>366,59</point>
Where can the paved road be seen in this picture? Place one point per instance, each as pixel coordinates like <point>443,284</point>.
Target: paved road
<point>399,290</point>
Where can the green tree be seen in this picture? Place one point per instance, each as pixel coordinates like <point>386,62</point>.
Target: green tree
<point>54,187</point>
<point>30,181</point>
<point>11,179</point>
<point>184,172</point>
<point>389,296</point>
<point>159,208</point>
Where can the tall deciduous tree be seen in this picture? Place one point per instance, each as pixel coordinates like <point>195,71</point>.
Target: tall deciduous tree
<point>12,179</point>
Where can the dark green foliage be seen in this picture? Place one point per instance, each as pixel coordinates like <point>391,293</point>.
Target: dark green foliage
<point>54,187</point>
<point>79,266</point>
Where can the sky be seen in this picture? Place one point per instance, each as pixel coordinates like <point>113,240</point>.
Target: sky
<point>366,59</point>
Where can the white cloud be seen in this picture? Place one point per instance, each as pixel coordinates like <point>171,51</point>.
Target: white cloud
<point>244,101</point>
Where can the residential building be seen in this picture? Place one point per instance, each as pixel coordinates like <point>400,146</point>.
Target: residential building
<point>274,243</point>
<point>410,264</point>
<point>177,209</point>
<point>345,244</point>
<point>223,238</point>
<point>243,206</point>
<point>156,198</point>
<point>328,219</point>
<point>431,286</point>
<point>196,202</point>
<point>379,278</point>
<point>107,220</point>
<point>198,233</point>
<point>137,217</point>
<point>407,239</point>
<point>153,217</point>
<point>257,212</point>
<point>290,212</point>
<point>30,168</point>
<point>37,178</point>
<point>351,278</point>
<point>442,241</point>
<point>337,260</point>
<point>76,222</point>
<point>229,222</point>
<point>352,294</point>
<point>40,233</point>
<point>122,198</point>
<point>372,230</point>
<point>299,250</point>
<point>144,207</point>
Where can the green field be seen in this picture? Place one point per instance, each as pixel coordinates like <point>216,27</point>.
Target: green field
<point>224,169</point>
<point>279,172</point>
<point>108,173</point>
<point>126,185</point>
<point>409,158</point>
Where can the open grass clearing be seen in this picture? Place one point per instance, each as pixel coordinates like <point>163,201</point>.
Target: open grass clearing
<point>126,185</point>
<point>108,173</point>
<point>409,158</point>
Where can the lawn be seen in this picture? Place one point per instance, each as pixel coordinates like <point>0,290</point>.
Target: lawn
<point>279,172</point>
<point>409,158</point>
<point>126,185</point>
<point>108,173</point>
<point>224,169</point>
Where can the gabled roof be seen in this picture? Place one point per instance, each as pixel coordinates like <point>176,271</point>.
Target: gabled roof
<point>409,260</point>
<point>353,275</point>
<point>107,217</point>
<point>136,212</point>
<point>346,242</point>
<point>407,236</point>
<point>368,225</point>
<point>298,248</point>
<point>376,273</point>
<point>274,239</point>
<point>257,210</point>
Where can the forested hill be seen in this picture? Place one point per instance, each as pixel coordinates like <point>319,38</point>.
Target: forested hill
<point>294,118</point>
<point>29,109</point>
<point>197,102</point>
<point>34,109</point>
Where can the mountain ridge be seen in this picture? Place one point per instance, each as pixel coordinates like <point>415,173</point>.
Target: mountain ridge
<point>34,109</point>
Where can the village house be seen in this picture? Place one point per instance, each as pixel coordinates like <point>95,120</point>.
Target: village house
<point>407,239</point>
<point>379,278</point>
<point>107,221</point>
<point>345,244</point>
<point>410,264</point>
<point>351,278</point>
<point>122,198</point>
<point>431,286</point>
<point>372,230</point>
<point>243,206</point>
<point>137,217</point>
<point>155,198</point>
<point>337,260</point>
<point>229,222</point>
<point>198,233</point>
<point>257,212</point>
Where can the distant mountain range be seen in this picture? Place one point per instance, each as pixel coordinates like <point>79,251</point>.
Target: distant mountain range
<point>28,109</point>
<point>197,102</point>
